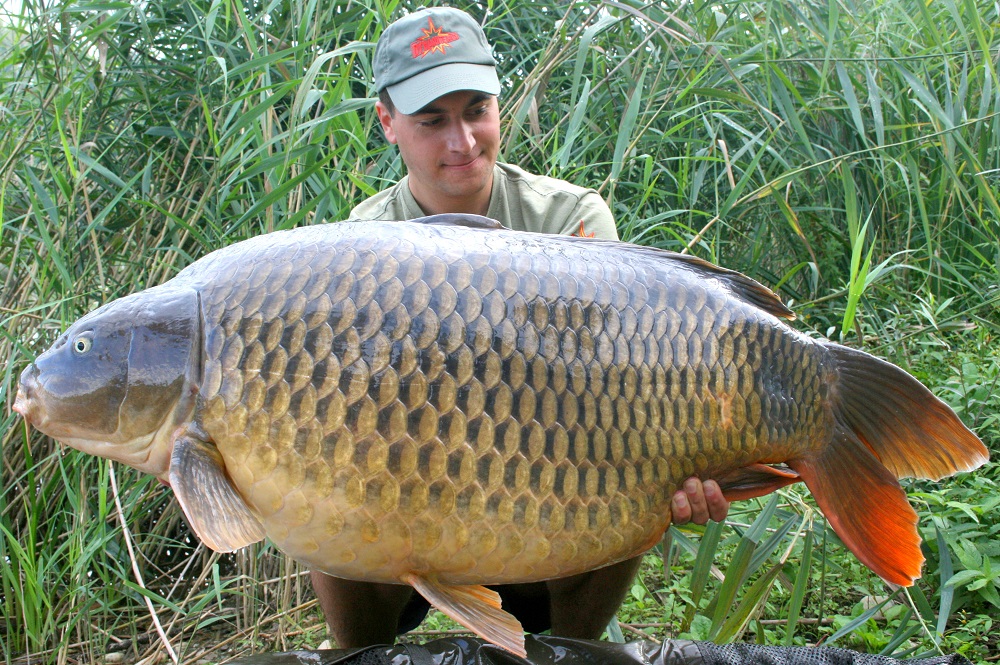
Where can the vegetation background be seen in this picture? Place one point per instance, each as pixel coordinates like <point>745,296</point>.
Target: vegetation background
<point>845,153</point>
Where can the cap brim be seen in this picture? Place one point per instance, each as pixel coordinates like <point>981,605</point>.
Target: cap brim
<point>420,90</point>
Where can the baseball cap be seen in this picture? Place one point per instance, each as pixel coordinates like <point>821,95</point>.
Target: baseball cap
<point>430,53</point>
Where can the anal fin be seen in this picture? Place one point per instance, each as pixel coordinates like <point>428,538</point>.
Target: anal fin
<point>755,480</point>
<point>215,510</point>
<point>475,607</point>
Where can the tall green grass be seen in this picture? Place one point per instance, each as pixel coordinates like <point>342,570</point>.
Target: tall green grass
<point>843,153</point>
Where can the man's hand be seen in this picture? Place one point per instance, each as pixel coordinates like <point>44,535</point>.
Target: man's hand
<point>698,502</point>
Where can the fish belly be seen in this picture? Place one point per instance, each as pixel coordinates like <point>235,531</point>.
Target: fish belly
<point>483,406</point>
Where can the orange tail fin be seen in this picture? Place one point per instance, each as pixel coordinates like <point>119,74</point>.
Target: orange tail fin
<point>888,426</point>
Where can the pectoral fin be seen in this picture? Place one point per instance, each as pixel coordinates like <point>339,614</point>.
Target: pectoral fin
<point>214,509</point>
<point>475,607</point>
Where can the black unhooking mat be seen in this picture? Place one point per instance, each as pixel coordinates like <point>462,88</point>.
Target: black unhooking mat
<point>543,650</point>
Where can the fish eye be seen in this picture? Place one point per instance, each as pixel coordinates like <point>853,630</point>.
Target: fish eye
<point>82,344</point>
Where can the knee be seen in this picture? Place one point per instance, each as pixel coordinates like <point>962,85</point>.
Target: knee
<point>360,614</point>
<point>582,605</point>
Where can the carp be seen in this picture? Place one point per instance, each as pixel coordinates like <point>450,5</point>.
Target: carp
<point>448,404</point>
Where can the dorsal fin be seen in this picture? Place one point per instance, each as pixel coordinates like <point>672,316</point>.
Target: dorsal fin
<point>743,287</point>
<point>740,285</point>
<point>460,219</point>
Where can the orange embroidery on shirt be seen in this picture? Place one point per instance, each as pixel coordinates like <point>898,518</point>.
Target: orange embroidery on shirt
<point>434,40</point>
<point>582,233</point>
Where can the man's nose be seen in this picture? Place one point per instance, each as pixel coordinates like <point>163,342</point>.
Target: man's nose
<point>460,138</point>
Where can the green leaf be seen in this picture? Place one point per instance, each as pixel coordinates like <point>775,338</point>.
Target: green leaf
<point>615,632</point>
<point>702,568</point>
<point>751,603</point>
<point>859,277</point>
<point>799,590</point>
<point>946,571</point>
<point>857,622</point>
<point>627,125</point>
<point>964,577</point>
<point>575,121</point>
<point>847,86</point>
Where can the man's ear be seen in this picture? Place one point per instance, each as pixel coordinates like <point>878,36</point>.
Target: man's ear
<point>385,117</point>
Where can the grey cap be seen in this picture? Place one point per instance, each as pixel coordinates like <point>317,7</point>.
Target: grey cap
<point>430,53</point>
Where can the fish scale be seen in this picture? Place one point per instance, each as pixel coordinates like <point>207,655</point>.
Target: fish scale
<point>447,404</point>
<point>538,368</point>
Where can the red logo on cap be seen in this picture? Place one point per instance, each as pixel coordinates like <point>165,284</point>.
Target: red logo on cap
<point>434,39</point>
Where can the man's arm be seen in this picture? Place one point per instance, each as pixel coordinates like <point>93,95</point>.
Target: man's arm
<point>591,219</point>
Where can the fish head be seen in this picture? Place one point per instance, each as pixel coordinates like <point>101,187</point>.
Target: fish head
<point>120,380</point>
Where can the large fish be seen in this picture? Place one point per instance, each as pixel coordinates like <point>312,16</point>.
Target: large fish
<point>446,404</point>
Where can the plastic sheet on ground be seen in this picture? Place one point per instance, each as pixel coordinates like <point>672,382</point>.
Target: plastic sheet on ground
<point>543,650</point>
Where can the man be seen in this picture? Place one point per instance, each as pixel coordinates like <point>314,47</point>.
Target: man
<point>438,90</point>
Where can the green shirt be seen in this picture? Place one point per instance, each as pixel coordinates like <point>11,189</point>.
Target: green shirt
<point>519,200</point>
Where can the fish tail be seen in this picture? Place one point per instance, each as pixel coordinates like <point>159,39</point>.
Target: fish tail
<point>910,430</point>
<point>887,426</point>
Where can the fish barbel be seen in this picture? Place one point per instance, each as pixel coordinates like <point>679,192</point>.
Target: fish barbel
<point>447,404</point>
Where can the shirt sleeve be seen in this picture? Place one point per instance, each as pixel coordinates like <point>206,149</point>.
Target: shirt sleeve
<point>591,218</point>
<point>394,204</point>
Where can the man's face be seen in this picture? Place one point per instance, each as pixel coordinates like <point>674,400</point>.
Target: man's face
<point>449,148</point>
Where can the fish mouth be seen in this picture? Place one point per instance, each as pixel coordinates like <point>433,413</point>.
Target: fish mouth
<point>23,401</point>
